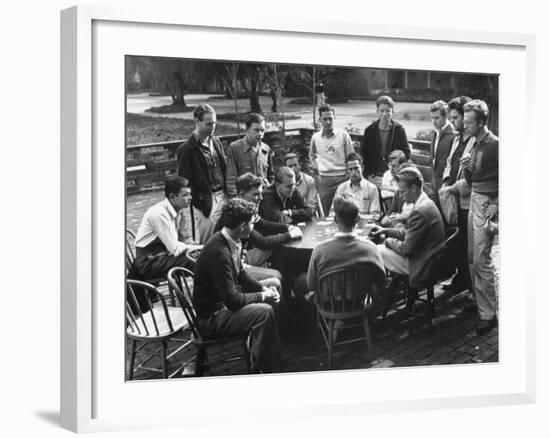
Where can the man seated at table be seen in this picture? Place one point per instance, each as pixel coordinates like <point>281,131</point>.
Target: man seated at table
<point>389,184</point>
<point>345,250</point>
<point>409,251</point>
<point>158,240</point>
<point>282,202</point>
<point>399,210</point>
<point>361,191</point>
<point>227,300</point>
<point>265,237</point>
<point>305,184</point>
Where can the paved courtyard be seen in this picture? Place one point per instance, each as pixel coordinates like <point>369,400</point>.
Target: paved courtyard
<point>400,341</point>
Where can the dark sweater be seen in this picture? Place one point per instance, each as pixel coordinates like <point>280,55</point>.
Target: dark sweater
<point>272,206</point>
<point>219,282</point>
<point>482,174</point>
<point>375,154</point>
<point>265,235</point>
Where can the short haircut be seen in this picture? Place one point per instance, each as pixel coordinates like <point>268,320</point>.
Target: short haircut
<point>479,108</point>
<point>174,185</point>
<point>254,118</point>
<point>247,181</point>
<point>237,212</point>
<point>441,106</point>
<point>411,176</point>
<point>457,104</point>
<point>385,100</point>
<point>290,156</point>
<point>398,155</point>
<point>324,108</point>
<point>282,173</point>
<point>201,110</point>
<point>345,210</point>
<point>353,156</point>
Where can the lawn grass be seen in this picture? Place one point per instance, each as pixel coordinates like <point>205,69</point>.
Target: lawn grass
<point>144,130</point>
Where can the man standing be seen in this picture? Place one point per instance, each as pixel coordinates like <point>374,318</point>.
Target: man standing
<point>409,251</point>
<point>249,154</point>
<point>282,203</point>
<point>453,180</point>
<point>362,193</point>
<point>158,245</point>
<point>380,138</point>
<point>441,143</point>
<point>328,152</point>
<point>202,161</point>
<point>305,184</point>
<point>481,172</point>
<point>227,300</point>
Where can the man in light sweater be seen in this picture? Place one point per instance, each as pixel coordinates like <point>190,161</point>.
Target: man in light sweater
<point>481,172</point>
<point>328,152</point>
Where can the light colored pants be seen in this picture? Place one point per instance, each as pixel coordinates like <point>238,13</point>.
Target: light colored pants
<point>483,278</point>
<point>392,261</point>
<point>206,225</point>
<point>327,189</point>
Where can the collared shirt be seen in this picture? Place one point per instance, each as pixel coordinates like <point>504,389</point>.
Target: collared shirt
<point>161,221</point>
<point>213,164</point>
<point>365,197</point>
<point>328,152</point>
<point>388,180</point>
<point>342,234</point>
<point>482,173</point>
<point>242,157</point>
<point>460,147</point>
<point>235,247</point>
<point>437,136</point>
<point>306,187</point>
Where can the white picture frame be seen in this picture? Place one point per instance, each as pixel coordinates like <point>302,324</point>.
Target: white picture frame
<point>92,184</point>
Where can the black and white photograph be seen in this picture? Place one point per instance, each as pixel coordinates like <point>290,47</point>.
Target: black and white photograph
<point>290,218</point>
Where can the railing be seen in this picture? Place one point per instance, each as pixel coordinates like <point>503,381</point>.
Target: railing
<point>148,165</point>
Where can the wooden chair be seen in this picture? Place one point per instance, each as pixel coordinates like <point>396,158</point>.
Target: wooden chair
<point>179,281</point>
<point>442,267</point>
<point>345,295</point>
<point>157,322</point>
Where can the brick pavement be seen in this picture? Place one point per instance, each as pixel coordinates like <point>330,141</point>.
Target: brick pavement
<point>398,342</point>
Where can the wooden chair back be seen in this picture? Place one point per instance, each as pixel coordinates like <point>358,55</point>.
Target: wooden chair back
<point>130,249</point>
<point>178,281</point>
<point>347,292</point>
<point>443,265</point>
<point>142,320</point>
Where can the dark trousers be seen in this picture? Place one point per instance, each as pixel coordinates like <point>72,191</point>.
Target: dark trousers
<point>259,320</point>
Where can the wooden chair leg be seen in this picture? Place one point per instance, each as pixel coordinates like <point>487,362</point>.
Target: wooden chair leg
<point>431,306</point>
<point>132,360</point>
<point>367,331</point>
<point>199,366</point>
<point>330,342</point>
<point>164,353</point>
<point>247,357</point>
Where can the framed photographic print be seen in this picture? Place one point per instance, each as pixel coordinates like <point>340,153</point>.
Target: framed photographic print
<point>148,98</point>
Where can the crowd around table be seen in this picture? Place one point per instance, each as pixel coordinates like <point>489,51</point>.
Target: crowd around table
<point>266,235</point>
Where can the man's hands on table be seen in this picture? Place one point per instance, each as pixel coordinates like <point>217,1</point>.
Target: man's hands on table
<point>295,232</point>
<point>270,295</point>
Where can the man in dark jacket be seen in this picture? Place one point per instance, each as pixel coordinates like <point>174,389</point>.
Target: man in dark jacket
<point>201,160</point>
<point>282,202</point>
<point>441,144</point>
<point>380,138</point>
<point>227,300</point>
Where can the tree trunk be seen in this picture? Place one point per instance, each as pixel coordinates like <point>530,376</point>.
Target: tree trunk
<point>255,106</point>
<point>313,103</point>
<point>179,89</point>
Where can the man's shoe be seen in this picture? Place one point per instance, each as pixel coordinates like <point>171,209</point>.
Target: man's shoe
<point>486,325</point>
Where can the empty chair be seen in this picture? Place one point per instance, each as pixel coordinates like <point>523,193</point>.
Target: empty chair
<point>149,319</point>
<point>180,280</point>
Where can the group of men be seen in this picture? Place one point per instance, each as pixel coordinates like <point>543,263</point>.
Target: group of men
<point>245,206</point>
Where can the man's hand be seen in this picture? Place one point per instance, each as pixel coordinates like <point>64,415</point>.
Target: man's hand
<point>270,295</point>
<point>490,211</point>
<point>192,247</point>
<point>377,231</point>
<point>295,232</point>
<point>465,161</point>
